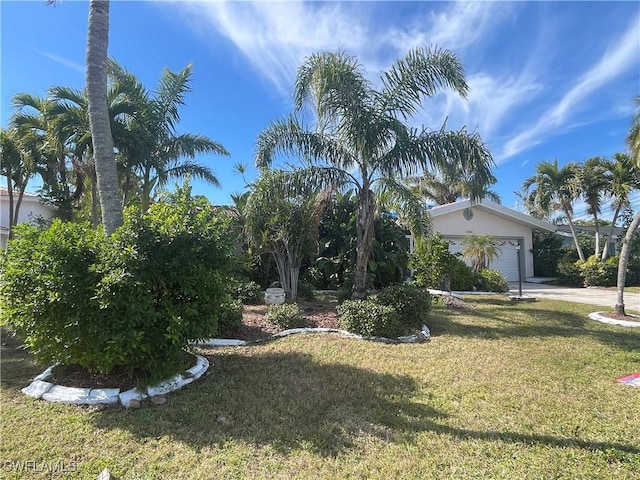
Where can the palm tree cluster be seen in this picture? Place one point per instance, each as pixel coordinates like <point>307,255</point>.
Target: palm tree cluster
<point>51,137</point>
<point>597,182</point>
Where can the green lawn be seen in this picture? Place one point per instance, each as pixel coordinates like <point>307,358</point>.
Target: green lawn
<point>503,391</point>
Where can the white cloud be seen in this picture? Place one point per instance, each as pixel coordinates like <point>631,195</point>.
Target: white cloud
<point>276,36</point>
<point>620,57</point>
<point>67,63</point>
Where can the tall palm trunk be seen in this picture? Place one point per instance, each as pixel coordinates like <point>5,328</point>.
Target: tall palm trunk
<point>11,215</point>
<point>605,247</point>
<point>364,228</point>
<point>105,162</point>
<point>575,235</point>
<point>624,261</point>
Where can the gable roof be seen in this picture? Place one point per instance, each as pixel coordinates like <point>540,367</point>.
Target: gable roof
<point>496,209</point>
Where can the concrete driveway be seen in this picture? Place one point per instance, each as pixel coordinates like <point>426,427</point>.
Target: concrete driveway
<point>592,296</point>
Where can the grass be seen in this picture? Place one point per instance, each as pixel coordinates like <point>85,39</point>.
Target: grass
<point>503,391</point>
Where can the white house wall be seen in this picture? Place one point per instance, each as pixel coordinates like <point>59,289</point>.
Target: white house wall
<point>454,225</point>
<point>30,210</point>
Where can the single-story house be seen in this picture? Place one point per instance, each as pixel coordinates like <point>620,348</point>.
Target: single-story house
<point>31,209</point>
<point>512,230</point>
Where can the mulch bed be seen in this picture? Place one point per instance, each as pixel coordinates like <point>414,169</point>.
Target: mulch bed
<point>616,316</point>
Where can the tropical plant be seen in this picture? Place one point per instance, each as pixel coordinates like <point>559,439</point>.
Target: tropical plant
<point>131,300</point>
<point>449,181</point>
<point>595,183</point>
<point>480,251</point>
<point>17,167</point>
<point>624,179</point>
<point>283,223</point>
<point>555,190</point>
<point>156,152</point>
<point>361,136</point>
<point>96,75</point>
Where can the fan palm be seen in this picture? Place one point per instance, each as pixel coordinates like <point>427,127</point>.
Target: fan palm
<point>555,190</point>
<point>361,138</point>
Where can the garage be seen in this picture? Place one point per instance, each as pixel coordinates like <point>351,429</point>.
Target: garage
<point>507,261</point>
<point>510,228</point>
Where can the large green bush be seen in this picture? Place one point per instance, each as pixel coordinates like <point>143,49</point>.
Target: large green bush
<point>411,303</point>
<point>598,273</point>
<point>230,319</point>
<point>133,300</point>
<point>395,311</point>
<point>436,267</point>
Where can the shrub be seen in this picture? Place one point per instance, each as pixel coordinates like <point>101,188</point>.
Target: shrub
<point>598,273</point>
<point>461,276</point>
<point>248,293</point>
<point>286,315</point>
<point>492,281</point>
<point>369,318</point>
<point>412,304</point>
<point>569,274</point>
<point>133,300</point>
<point>435,266</point>
<point>230,318</point>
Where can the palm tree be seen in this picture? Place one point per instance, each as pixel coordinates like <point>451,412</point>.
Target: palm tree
<point>102,141</point>
<point>624,178</point>
<point>19,156</point>
<point>451,181</point>
<point>284,223</point>
<point>361,138</point>
<point>154,150</point>
<point>480,250</point>
<point>595,183</point>
<point>633,141</point>
<point>555,189</point>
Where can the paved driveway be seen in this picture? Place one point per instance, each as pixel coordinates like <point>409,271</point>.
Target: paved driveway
<point>593,296</point>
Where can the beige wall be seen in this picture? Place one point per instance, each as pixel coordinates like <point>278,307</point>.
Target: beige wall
<point>455,225</point>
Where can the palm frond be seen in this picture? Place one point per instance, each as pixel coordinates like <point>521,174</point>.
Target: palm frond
<point>289,138</point>
<point>409,206</point>
<point>423,72</point>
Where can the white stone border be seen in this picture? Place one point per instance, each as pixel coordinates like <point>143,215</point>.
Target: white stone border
<point>224,342</point>
<point>613,321</point>
<point>41,389</point>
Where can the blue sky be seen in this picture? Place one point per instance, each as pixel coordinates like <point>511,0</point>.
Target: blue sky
<point>547,79</point>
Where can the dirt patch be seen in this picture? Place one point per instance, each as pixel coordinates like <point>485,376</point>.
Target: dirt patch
<point>617,316</point>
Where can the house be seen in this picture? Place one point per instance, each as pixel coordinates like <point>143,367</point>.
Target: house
<point>31,209</point>
<point>513,231</point>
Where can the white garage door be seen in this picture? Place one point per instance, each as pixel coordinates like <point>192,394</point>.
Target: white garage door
<point>507,261</point>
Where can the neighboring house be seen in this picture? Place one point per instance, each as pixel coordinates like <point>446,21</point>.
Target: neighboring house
<point>31,209</point>
<point>511,229</point>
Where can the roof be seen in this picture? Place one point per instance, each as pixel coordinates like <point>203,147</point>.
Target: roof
<point>494,209</point>
<point>4,192</point>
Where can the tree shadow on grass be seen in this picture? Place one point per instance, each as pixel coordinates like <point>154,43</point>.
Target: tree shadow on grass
<point>18,366</point>
<point>289,401</point>
<point>540,323</point>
